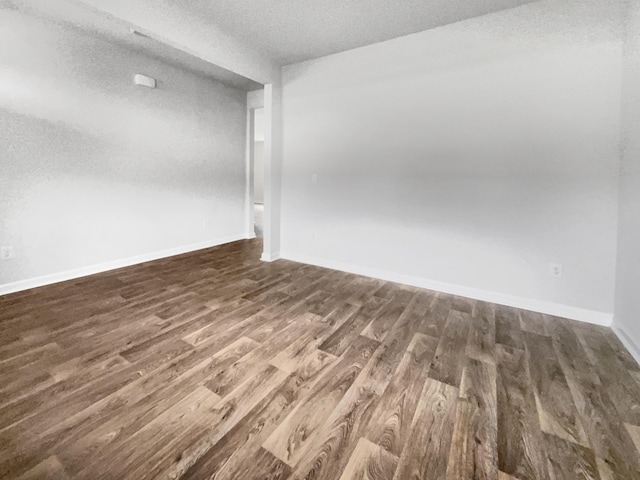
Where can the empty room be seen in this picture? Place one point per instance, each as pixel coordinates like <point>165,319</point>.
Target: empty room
<point>337,240</point>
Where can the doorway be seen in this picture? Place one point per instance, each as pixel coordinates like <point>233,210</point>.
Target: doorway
<point>264,136</point>
<point>258,172</point>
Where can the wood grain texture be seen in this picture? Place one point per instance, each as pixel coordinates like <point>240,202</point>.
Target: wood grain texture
<point>621,387</point>
<point>326,455</point>
<point>482,334</point>
<point>520,448</point>
<point>289,441</point>
<point>604,470</point>
<point>622,354</point>
<point>556,410</point>
<point>634,433</point>
<point>340,340</point>
<point>568,461</point>
<point>50,468</point>
<point>474,449</point>
<point>449,359</point>
<point>214,364</point>
<point>570,351</point>
<point>384,321</point>
<point>435,315</point>
<point>607,436</point>
<point>229,456</point>
<point>425,456</point>
<point>391,422</point>
<point>508,329</point>
<point>263,466</point>
<point>370,462</point>
<point>533,322</point>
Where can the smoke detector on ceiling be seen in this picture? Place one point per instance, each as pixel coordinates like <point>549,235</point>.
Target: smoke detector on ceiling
<point>144,81</point>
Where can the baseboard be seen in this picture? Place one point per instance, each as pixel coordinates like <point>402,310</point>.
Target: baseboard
<point>104,267</point>
<point>627,341</point>
<point>269,257</point>
<point>550,308</point>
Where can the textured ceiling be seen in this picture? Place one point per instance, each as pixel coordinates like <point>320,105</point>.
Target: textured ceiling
<point>78,15</point>
<point>295,30</point>
<point>280,31</point>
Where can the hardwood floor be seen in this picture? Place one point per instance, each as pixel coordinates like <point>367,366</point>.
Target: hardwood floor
<point>216,365</point>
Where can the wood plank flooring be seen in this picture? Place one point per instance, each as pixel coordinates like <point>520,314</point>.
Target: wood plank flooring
<point>214,365</point>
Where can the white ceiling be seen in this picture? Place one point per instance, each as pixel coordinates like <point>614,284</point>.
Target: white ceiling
<point>280,31</point>
<point>83,17</point>
<point>295,30</point>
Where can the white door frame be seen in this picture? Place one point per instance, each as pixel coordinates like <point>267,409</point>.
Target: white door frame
<point>270,100</point>
<point>255,100</point>
<point>249,193</point>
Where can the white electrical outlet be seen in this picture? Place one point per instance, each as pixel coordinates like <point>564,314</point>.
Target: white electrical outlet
<point>555,270</point>
<point>6,253</point>
<point>314,178</point>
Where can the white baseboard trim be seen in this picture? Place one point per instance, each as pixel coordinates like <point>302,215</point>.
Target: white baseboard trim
<point>627,341</point>
<point>104,267</point>
<point>550,308</point>
<point>270,257</point>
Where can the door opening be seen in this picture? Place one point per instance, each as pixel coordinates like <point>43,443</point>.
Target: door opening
<point>258,172</point>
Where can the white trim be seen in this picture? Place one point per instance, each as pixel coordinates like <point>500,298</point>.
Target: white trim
<point>255,99</point>
<point>270,257</point>
<point>268,177</point>
<point>627,341</point>
<point>104,267</point>
<point>550,308</point>
<point>272,169</point>
<point>249,213</point>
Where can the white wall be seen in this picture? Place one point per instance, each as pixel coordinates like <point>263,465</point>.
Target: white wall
<point>273,157</point>
<point>255,103</point>
<point>94,169</point>
<point>258,178</point>
<point>258,125</point>
<point>258,156</point>
<point>466,157</point>
<point>627,311</point>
